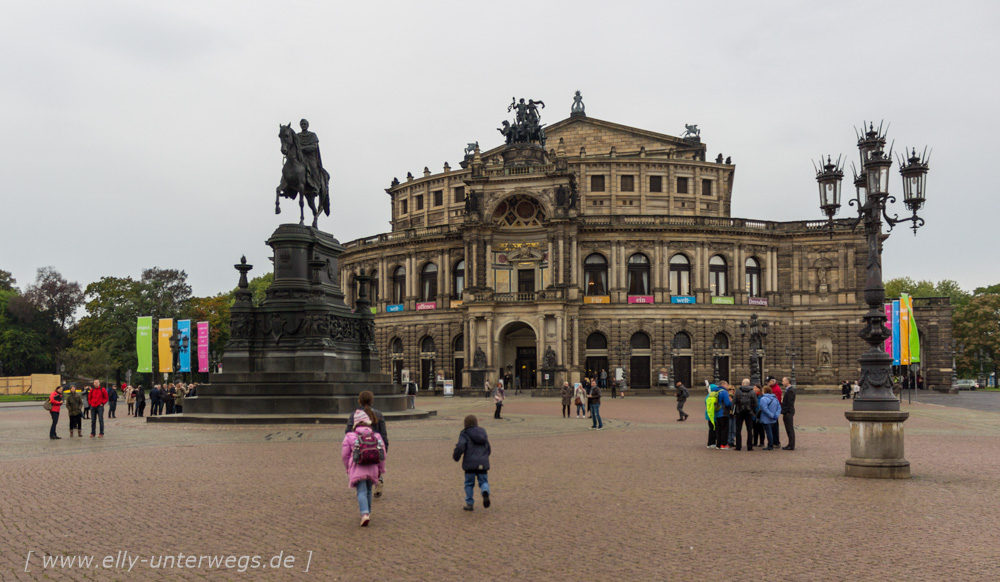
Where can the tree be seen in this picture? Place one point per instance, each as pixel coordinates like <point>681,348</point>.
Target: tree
<point>977,329</point>
<point>55,296</point>
<point>214,310</point>
<point>258,287</point>
<point>24,343</point>
<point>7,281</point>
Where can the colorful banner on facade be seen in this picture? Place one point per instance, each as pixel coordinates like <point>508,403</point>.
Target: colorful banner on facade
<point>723,301</point>
<point>166,330</point>
<point>395,308</point>
<point>184,345</point>
<point>914,334</point>
<point>144,344</point>
<point>904,329</point>
<point>424,306</point>
<point>596,299</point>
<point>895,332</point>
<point>687,299</point>
<point>761,301</point>
<point>640,298</point>
<point>202,346</point>
<point>888,325</point>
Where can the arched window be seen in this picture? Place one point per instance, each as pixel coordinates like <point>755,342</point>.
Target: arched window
<point>597,341</point>
<point>427,345</point>
<point>638,274</point>
<point>682,341</point>
<point>399,285</point>
<point>680,275</point>
<point>753,277</point>
<point>373,287</point>
<point>458,345</point>
<point>717,270</point>
<point>428,282</point>
<point>458,279</point>
<point>640,341</point>
<point>721,341</point>
<point>595,275</point>
<point>396,348</point>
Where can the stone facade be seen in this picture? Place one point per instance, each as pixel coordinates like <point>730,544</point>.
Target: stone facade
<point>615,248</point>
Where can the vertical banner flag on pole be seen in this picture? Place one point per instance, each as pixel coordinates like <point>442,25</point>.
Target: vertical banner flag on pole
<point>888,324</point>
<point>914,335</point>
<point>184,345</point>
<point>144,344</point>
<point>163,347</point>
<point>895,332</point>
<point>202,346</point>
<point>904,329</point>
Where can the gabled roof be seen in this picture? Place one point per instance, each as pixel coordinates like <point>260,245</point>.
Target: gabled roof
<point>566,125</point>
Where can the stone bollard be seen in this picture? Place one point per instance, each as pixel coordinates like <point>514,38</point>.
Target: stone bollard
<point>877,445</point>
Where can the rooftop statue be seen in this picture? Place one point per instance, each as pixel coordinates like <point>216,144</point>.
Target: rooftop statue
<point>578,107</point>
<point>302,174</point>
<point>691,131</point>
<point>526,127</point>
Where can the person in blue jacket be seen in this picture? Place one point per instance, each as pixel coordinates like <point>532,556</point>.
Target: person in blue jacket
<point>770,410</point>
<point>722,414</point>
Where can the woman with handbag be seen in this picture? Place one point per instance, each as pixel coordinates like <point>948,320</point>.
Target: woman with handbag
<point>498,399</point>
<point>567,396</point>
<point>580,399</point>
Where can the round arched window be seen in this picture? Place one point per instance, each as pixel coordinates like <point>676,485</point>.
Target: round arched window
<point>680,275</point>
<point>595,275</point>
<point>638,274</point>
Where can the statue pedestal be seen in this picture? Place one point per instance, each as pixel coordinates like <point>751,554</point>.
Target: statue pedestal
<point>877,445</point>
<point>300,356</point>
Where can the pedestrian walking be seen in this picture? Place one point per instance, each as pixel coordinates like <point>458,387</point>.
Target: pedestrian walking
<point>365,400</point>
<point>744,407</point>
<point>487,388</point>
<point>855,389</point>
<point>411,395</point>
<point>473,448</point>
<point>517,385</point>
<point>845,390</point>
<point>498,397</point>
<point>567,397</point>
<point>140,400</point>
<point>112,401</point>
<point>788,413</point>
<point>130,400</point>
<point>358,455</point>
<point>54,404</point>
<point>711,399</point>
<point>614,389</point>
<point>682,396</point>
<point>769,412</point>
<point>580,399</point>
<point>97,397</point>
<point>596,422</point>
<point>74,407</point>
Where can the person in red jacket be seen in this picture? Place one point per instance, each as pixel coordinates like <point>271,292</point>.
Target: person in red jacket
<point>56,400</point>
<point>776,390</point>
<point>97,398</point>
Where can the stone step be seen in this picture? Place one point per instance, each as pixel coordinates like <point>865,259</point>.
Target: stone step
<point>328,389</point>
<point>286,404</point>
<point>196,418</point>
<point>299,377</point>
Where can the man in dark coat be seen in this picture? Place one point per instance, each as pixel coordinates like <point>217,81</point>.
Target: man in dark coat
<point>140,401</point>
<point>154,400</point>
<point>788,413</point>
<point>682,396</point>
<point>112,401</point>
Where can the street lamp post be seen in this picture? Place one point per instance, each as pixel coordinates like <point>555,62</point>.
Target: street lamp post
<point>717,353</point>
<point>756,331</point>
<point>792,353</point>
<point>876,421</point>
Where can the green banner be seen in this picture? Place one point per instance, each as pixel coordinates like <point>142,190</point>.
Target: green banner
<point>723,301</point>
<point>144,344</point>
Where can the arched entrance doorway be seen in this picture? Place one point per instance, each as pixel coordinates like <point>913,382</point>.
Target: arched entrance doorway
<point>519,353</point>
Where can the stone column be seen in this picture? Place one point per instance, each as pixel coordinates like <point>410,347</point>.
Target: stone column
<point>561,262</point>
<point>490,362</point>
<point>877,445</point>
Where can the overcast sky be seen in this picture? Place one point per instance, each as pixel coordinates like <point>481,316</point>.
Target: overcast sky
<point>140,134</point>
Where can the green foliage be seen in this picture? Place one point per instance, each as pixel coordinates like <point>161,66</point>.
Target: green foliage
<point>258,286</point>
<point>7,281</point>
<point>977,330</point>
<point>214,310</point>
<point>25,346</point>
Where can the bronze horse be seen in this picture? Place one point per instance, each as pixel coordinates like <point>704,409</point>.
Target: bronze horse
<point>295,179</point>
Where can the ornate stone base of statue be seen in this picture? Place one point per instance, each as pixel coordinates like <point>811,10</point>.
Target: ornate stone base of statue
<point>877,445</point>
<point>302,355</point>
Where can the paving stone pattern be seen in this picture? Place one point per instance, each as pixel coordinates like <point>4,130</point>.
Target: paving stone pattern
<point>643,497</point>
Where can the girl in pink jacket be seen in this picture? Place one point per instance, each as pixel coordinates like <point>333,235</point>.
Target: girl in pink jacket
<point>363,477</point>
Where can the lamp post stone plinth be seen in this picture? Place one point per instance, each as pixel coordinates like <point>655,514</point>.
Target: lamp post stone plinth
<point>876,420</point>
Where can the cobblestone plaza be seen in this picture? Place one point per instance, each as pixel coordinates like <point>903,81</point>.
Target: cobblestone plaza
<point>643,497</point>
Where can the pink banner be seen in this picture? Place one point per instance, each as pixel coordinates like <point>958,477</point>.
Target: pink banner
<point>427,305</point>
<point>888,323</point>
<point>640,298</point>
<point>202,346</point>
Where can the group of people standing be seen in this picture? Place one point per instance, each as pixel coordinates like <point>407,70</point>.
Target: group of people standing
<point>729,409</point>
<point>586,400</point>
<point>82,403</point>
<point>850,390</point>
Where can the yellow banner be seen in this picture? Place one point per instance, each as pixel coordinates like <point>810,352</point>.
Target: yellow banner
<point>163,348</point>
<point>596,299</point>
